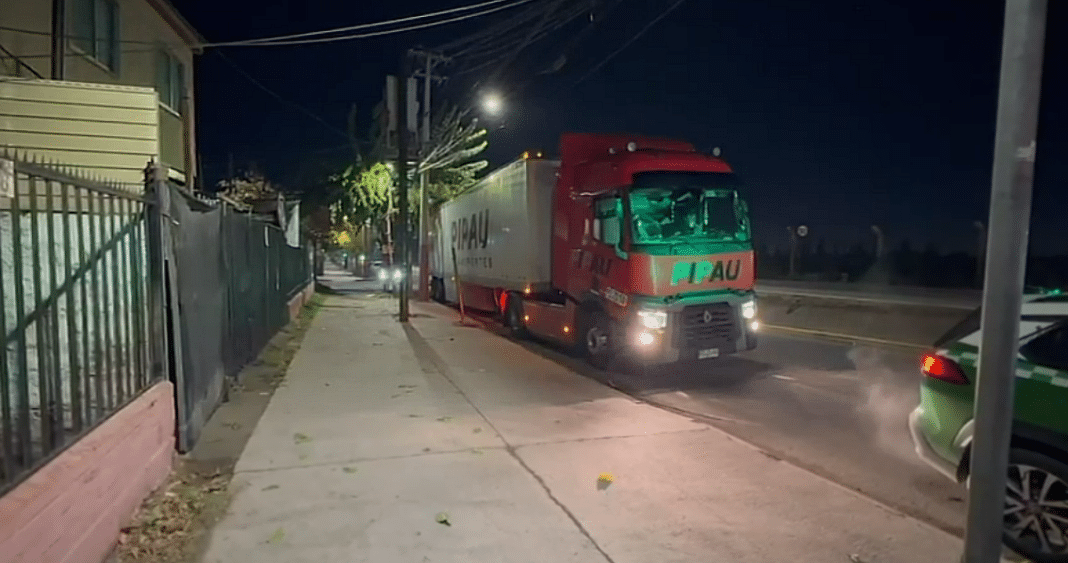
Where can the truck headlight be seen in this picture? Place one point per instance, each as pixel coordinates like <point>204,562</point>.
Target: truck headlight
<point>382,275</point>
<point>749,309</point>
<point>653,319</point>
<point>397,274</point>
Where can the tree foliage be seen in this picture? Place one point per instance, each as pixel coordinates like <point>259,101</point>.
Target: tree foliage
<point>248,188</point>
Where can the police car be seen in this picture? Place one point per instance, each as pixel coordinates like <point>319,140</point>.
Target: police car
<point>1036,499</point>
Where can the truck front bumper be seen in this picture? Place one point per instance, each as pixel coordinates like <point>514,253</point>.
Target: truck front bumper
<point>670,345</point>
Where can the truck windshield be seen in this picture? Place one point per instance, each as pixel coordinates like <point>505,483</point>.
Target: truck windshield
<point>673,207</point>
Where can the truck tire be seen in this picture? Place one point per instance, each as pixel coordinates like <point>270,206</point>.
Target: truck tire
<point>437,290</point>
<point>595,339</point>
<point>513,317</point>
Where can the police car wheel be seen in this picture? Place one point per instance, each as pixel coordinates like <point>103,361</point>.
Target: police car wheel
<point>1036,507</point>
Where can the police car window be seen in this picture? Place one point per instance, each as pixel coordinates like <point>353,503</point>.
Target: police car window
<point>1049,350</point>
<point>965,327</point>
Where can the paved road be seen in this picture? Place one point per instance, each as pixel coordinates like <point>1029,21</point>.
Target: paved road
<point>897,295</point>
<point>834,409</point>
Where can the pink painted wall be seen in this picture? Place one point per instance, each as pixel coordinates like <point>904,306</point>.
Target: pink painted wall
<point>71,510</point>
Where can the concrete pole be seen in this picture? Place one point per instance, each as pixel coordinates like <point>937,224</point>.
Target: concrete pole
<point>1010,212</point>
<point>402,179</point>
<point>793,251</point>
<point>980,253</point>
<point>424,182</point>
<point>880,243</point>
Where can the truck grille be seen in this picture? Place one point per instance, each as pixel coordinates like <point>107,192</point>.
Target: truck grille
<point>707,326</point>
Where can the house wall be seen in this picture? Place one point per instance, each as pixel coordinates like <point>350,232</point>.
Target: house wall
<point>104,130</point>
<point>72,509</point>
<point>143,32</point>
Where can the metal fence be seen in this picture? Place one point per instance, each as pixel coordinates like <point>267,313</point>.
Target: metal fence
<point>79,303</point>
<point>263,273</point>
<point>232,275</point>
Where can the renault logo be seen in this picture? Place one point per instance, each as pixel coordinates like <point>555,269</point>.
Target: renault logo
<point>708,316</point>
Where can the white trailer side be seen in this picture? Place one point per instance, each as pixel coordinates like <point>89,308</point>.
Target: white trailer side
<point>501,230</point>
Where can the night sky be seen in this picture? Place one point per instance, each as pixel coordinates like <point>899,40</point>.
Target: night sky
<point>836,114</point>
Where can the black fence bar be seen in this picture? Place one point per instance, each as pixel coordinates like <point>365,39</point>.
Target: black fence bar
<point>22,368</point>
<point>43,382</point>
<point>76,397</point>
<point>106,281</point>
<point>56,410</point>
<point>86,364</point>
<point>6,411</point>
<point>124,288</point>
<point>103,388</point>
<point>118,366</point>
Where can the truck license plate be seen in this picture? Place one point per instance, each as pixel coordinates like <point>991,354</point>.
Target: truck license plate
<point>709,353</point>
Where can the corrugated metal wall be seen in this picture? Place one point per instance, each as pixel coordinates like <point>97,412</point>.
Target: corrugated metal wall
<point>105,131</point>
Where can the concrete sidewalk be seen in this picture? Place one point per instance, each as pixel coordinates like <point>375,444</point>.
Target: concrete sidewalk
<point>381,433</point>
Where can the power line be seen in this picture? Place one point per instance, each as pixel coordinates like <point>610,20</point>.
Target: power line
<point>280,40</point>
<point>260,85</point>
<point>370,25</point>
<point>632,40</point>
<point>262,43</point>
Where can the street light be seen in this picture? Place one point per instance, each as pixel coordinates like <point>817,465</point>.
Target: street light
<point>492,103</point>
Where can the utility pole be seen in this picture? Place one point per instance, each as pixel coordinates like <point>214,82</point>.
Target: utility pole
<point>880,243</point>
<point>59,39</point>
<point>402,179</point>
<point>1010,213</point>
<point>980,253</point>
<point>429,59</point>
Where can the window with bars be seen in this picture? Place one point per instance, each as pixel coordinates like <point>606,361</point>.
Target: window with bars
<point>94,30</point>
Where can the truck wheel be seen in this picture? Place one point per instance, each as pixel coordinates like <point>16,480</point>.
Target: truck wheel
<point>513,317</point>
<point>437,290</point>
<point>595,339</point>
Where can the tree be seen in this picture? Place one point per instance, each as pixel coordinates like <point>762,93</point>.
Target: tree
<point>454,144</point>
<point>367,195</point>
<point>248,188</point>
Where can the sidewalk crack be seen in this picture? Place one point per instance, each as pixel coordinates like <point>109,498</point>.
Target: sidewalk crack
<point>423,349</point>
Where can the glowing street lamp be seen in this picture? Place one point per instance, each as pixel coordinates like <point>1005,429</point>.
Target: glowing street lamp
<point>492,103</point>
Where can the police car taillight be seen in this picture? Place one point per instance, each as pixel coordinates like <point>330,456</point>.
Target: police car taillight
<point>942,368</point>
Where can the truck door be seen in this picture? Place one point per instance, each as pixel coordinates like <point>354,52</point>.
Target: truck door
<point>603,263</point>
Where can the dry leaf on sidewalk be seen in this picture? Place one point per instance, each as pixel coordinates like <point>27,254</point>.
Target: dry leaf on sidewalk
<point>349,469</point>
<point>277,537</point>
<point>604,480</point>
<point>270,488</point>
<point>854,558</point>
<point>443,519</point>
<point>299,438</point>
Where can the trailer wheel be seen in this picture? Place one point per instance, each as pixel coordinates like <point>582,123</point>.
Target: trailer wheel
<point>437,290</point>
<point>513,317</point>
<point>595,339</point>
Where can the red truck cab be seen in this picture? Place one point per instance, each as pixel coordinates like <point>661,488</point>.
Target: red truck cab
<point>652,254</point>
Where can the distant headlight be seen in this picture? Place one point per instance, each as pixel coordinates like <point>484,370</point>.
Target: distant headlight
<point>749,309</point>
<point>382,274</point>
<point>397,274</point>
<point>653,319</point>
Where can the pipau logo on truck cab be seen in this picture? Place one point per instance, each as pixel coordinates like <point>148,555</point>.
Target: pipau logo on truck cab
<point>705,271</point>
<point>472,232</point>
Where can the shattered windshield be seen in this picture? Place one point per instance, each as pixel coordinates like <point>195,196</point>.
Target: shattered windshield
<point>678,206</point>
